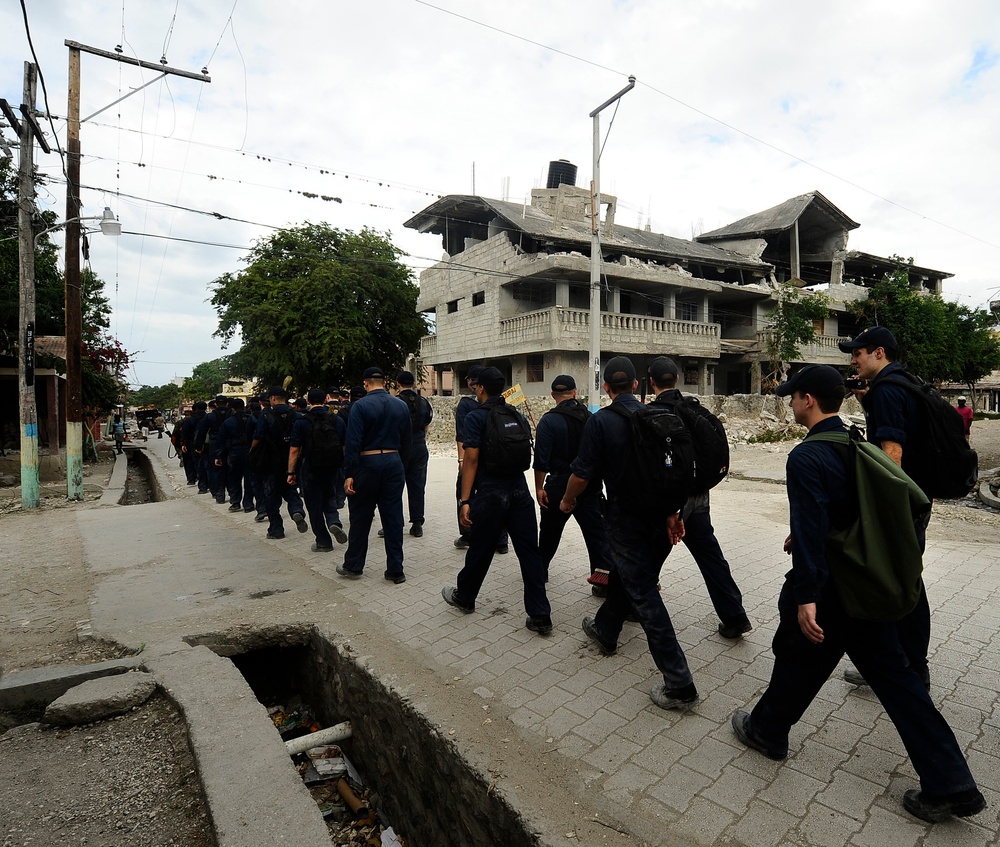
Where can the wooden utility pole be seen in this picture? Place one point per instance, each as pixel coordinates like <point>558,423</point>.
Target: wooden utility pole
<point>26,312</point>
<point>73,294</point>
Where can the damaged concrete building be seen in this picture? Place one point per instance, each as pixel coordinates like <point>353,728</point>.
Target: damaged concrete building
<point>513,288</point>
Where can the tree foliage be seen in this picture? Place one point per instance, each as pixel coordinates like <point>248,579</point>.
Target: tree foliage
<point>320,305</point>
<point>938,339</point>
<point>162,396</point>
<point>790,323</point>
<point>206,379</point>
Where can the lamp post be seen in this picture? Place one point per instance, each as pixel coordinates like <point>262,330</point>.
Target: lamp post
<point>594,400</point>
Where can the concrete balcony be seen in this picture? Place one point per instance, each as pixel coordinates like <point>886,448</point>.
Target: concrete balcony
<point>560,328</point>
<point>823,349</point>
<point>428,347</point>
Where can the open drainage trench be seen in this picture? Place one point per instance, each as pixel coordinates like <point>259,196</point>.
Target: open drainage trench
<point>139,485</point>
<point>402,772</point>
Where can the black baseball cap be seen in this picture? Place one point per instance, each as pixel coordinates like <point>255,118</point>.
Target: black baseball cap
<point>316,396</point>
<point>619,371</point>
<point>874,336</point>
<point>357,392</point>
<point>818,380</point>
<point>492,381</point>
<point>563,382</point>
<point>661,368</point>
<point>277,391</point>
<point>373,373</point>
<point>405,378</point>
<point>473,374</point>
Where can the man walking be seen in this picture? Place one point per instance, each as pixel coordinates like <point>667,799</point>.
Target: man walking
<point>557,440</point>
<point>230,448</point>
<point>639,543</point>
<point>192,467</point>
<point>378,439</point>
<point>275,426</point>
<point>316,453</point>
<point>967,416</point>
<point>814,631</point>
<point>893,421</point>
<point>415,468</point>
<point>494,497</point>
<point>699,534</point>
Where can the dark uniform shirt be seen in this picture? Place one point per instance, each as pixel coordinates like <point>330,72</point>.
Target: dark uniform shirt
<point>233,435</point>
<point>303,426</point>
<point>604,445</point>
<point>818,487</point>
<point>465,405</point>
<point>553,448</point>
<point>891,414</point>
<point>378,421</point>
<point>425,414</point>
<point>473,428</point>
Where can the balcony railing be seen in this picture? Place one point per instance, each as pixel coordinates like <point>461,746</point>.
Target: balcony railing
<point>823,350</point>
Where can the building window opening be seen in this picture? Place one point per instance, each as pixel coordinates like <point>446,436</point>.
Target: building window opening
<point>479,298</point>
<point>452,306</point>
<point>535,367</point>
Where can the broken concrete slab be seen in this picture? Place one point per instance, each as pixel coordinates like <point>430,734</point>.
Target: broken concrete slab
<point>34,686</point>
<point>102,698</point>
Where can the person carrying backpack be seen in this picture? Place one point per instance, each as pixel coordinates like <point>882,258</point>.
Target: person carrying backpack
<point>272,437</point>
<point>894,421</point>
<point>557,440</point>
<point>641,538</point>
<point>316,454</point>
<point>699,534</point>
<point>495,497</point>
<point>814,630</point>
<point>230,448</point>
<point>421,415</point>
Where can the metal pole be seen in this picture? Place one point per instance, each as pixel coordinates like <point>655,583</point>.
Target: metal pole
<point>26,309</point>
<point>73,298</point>
<point>594,393</point>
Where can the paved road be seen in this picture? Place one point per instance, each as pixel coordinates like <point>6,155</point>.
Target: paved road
<point>186,566</point>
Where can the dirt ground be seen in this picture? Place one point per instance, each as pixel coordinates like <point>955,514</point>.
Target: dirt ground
<point>130,780</point>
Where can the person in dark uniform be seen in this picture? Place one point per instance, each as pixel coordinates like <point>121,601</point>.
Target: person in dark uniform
<point>421,415</point>
<point>892,422</point>
<point>466,403</point>
<point>378,440</point>
<point>189,429</point>
<point>490,503</point>
<point>814,631</point>
<point>699,534</point>
<point>254,478</point>
<point>344,413</point>
<point>208,430</point>
<point>231,448</point>
<point>317,485</point>
<point>557,440</point>
<point>639,546</point>
<point>272,425</point>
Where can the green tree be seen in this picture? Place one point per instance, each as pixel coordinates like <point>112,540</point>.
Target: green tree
<point>206,379</point>
<point>790,324</point>
<point>320,305</point>
<point>978,349</point>
<point>162,396</point>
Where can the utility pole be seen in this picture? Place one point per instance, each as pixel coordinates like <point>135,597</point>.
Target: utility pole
<point>74,315</point>
<point>27,130</point>
<point>594,394</point>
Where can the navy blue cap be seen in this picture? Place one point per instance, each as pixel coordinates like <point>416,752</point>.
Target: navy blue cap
<point>492,381</point>
<point>874,336</point>
<point>405,378</point>
<point>563,382</point>
<point>619,371</point>
<point>818,380</point>
<point>373,373</point>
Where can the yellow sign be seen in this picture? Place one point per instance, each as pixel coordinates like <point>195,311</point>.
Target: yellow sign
<point>514,395</point>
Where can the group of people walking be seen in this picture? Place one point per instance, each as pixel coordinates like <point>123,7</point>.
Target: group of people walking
<point>581,469</point>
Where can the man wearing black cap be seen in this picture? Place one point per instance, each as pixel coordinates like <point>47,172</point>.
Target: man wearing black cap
<point>189,428</point>
<point>639,545</point>
<point>378,440</point>
<point>557,440</point>
<point>275,426</point>
<point>699,534</point>
<point>421,415</point>
<point>495,497</point>
<point>814,631</point>
<point>208,429</point>
<point>892,421</point>
<point>230,449</point>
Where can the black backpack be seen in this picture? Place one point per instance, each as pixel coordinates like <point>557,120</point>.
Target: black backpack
<point>270,456</point>
<point>659,464</point>
<point>323,450</point>
<point>711,446</point>
<point>576,415</point>
<point>506,445</point>
<point>941,462</point>
<point>416,405</point>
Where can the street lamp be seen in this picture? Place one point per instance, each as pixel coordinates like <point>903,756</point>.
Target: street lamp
<point>595,253</point>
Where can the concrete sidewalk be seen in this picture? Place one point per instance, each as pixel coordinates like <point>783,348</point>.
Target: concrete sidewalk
<point>187,567</point>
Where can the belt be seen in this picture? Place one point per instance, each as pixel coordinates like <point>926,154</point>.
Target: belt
<point>376,452</point>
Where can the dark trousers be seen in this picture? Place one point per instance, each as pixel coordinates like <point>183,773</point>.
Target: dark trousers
<point>699,537</point>
<point>202,464</point>
<point>416,479</point>
<point>497,506</point>
<point>276,489</point>
<point>465,532</point>
<point>319,496</point>
<point>915,629</point>
<point>238,481</point>
<point>217,477</point>
<point>190,460</point>
<point>639,547</point>
<point>256,482</point>
<point>801,668</point>
<point>587,513</point>
<point>378,484</point>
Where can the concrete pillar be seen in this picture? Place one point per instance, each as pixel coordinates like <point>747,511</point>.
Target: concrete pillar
<point>615,300</point>
<point>670,304</point>
<point>562,294</point>
<point>703,309</point>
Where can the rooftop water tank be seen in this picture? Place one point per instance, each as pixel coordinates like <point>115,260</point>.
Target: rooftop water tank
<point>561,172</point>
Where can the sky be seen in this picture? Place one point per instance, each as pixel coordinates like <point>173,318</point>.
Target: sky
<point>889,109</point>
